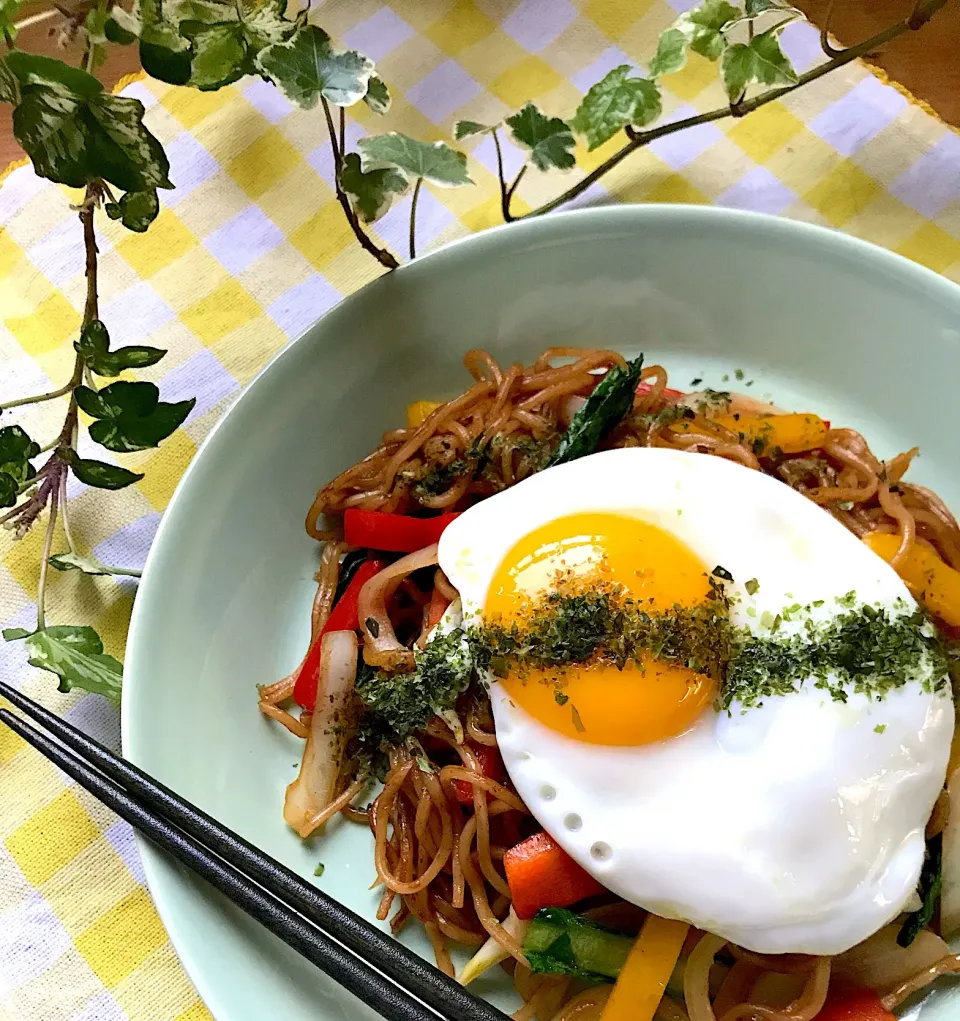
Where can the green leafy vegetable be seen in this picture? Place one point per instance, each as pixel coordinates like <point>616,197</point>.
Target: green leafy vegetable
<point>549,139</point>
<point>94,345</point>
<point>432,161</point>
<point>614,102</point>
<point>371,193</point>
<point>16,449</point>
<point>130,416</point>
<point>101,475</point>
<point>75,654</point>
<point>931,882</point>
<point>318,871</point>
<point>377,96</point>
<point>607,406</point>
<point>760,60</point>
<point>466,129</point>
<point>560,942</point>
<point>75,132</point>
<point>306,67</point>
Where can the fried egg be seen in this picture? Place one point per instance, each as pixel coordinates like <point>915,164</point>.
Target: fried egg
<point>796,825</point>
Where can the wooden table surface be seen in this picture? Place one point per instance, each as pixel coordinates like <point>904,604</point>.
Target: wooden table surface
<point>926,62</point>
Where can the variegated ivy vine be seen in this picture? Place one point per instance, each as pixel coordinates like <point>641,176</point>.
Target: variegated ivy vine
<point>78,134</point>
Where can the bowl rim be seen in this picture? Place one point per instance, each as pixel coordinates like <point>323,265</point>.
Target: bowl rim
<point>565,225</point>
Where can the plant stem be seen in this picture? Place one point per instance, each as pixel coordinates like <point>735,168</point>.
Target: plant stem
<point>504,191</point>
<point>38,398</point>
<point>343,131</point>
<point>413,218</point>
<point>126,572</point>
<point>45,558</point>
<point>516,181</point>
<point>383,255</point>
<point>825,43</point>
<point>638,139</point>
<point>68,534</point>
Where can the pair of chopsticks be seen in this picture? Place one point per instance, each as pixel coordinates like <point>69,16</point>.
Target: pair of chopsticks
<point>397,983</point>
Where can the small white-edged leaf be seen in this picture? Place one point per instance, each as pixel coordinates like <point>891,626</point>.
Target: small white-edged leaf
<point>76,655</point>
<point>761,60</point>
<point>433,161</point>
<point>75,562</point>
<point>614,102</point>
<point>754,8</point>
<point>703,26</point>
<point>306,67</point>
<point>549,139</point>
<point>378,95</point>
<point>372,193</point>
<point>671,53</point>
<point>466,129</point>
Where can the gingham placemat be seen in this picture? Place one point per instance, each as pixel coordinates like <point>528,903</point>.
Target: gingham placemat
<point>249,250</point>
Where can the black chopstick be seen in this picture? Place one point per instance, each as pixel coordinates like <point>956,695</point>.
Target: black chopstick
<point>153,804</point>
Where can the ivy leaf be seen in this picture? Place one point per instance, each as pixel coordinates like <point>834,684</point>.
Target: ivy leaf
<point>761,60</point>
<point>433,161</point>
<point>613,103</point>
<point>8,16</point>
<point>14,634</point>
<point>16,449</point>
<point>94,345</point>
<point>101,475</point>
<point>307,67</point>
<point>95,26</point>
<point>75,132</point>
<point>378,95</point>
<point>671,53</point>
<point>130,416</point>
<point>703,26</point>
<point>549,139</point>
<point>754,8</point>
<point>122,26</point>
<point>9,86</point>
<point>75,654</point>
<point>372,193</point>
<point>74,562</point>
<point>219,53</point>
<point>164,53</point>
<point>264,24</point>
<point>136,210</point>
<point>466,129</point>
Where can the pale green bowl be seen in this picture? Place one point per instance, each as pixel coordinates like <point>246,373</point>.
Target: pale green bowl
<point>818,320</point>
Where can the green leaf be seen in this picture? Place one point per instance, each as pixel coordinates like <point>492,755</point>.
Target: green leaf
<point>549,139</point>
<point>307,67</point>
<point>604,409</point>
<point>16,449</point>
<point>9,86</point>
<point>671,53</point>
<point>165,54</point>
<point>74,562</point>
<point>75,133</point>
<point>433,161</point>
<point>265,24</point>
<point>703,27</point>
<point>121,27</point>
<point>14,634</point>
<point>613,103</point>
<point>94,345</point>
<point>760,60</point>
<point>754,8</point>
<point>929,887</point>
<point>75,654</point>
<point>8,17</point>
<point>136,210</point>
<point>378,95</point>
<point>219,53</point>
<point>372,193</point>
<point>465,129</point>
<point>130,416</point>
<point>101,475</point>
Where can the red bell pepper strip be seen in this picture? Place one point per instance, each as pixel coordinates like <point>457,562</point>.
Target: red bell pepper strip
<point>398,533</point>
<point>438,607</point>
<point>491,765</point>
<point>671,395</point>
<point>542,875</point>
<point>343,617</point>
<point>850,1003</point>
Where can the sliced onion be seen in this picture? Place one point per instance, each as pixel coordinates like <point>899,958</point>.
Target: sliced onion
<point>880,963</point>
<point>569,406</point>
<point>315,786</point>
<point>381,646</point>
<point>950,892</point>
<point>492,952</point>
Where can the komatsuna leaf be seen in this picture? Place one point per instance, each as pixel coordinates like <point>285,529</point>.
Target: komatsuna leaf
<point>377,96</point>
<point>130,416</point>
<point>94,345</point>
<point>372,193</point>
<point>549,139</point>
<point>136,210</point>
<point>75,654</point>
<point>433,161</point>
<point>615,101</point>
<point>760,60</point>
<point>74,132</point>
<point>466,129</point>
<point>101,475</point>
<point>16,449</point>
<point>306,67</point>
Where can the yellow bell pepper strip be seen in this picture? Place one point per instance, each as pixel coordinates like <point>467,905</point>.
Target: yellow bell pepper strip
<point>419,411</point>
<point>644,977</point>
<point>932,582</point>
<point>791,433</point>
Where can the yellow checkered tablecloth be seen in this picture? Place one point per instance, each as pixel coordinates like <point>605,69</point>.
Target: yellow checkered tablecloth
<point>248,251</point>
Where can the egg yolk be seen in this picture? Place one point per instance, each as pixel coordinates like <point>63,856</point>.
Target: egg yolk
<point>643,702</point>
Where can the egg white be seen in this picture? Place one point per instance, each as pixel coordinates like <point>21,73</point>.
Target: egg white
<point>794,826</point>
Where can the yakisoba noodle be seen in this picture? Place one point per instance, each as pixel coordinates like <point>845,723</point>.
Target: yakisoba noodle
<point>439,860</point>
